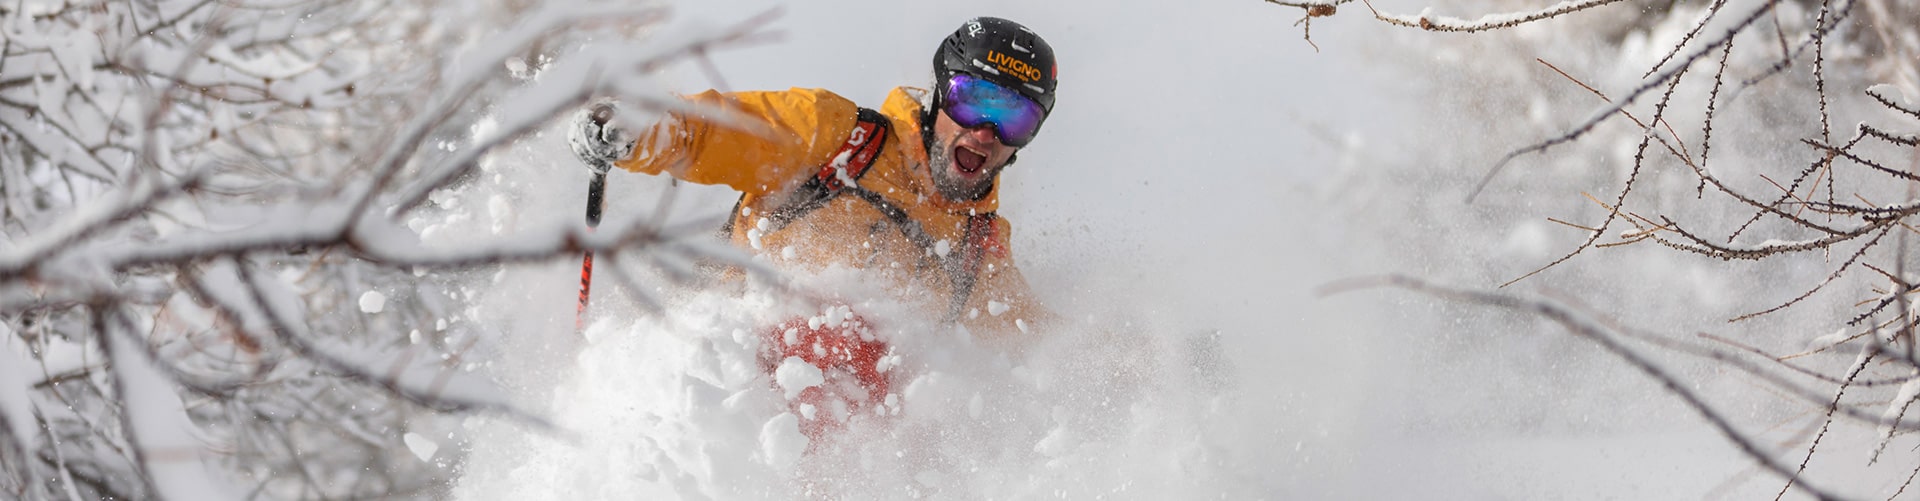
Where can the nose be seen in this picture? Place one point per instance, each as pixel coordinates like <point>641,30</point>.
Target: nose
<point>984,133</point>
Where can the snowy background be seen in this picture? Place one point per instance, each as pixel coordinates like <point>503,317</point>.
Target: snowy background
<point>1207,173</point>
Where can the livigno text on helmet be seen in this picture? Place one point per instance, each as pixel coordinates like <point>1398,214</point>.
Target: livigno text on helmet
<point>1026,72</point>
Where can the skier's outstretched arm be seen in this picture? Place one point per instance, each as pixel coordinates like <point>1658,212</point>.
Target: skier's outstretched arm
<point>786,135</point>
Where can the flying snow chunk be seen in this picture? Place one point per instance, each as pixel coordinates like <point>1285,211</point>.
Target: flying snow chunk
<point>373,302</point>
<point>781,441</point>
<point>796,375</point>
<point>422,447</point>
<point>995,308</point>
<point>837,315</point>
<point>1057,443</point>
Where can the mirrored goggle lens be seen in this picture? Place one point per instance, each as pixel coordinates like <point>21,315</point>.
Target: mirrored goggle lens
<point>973,102</point>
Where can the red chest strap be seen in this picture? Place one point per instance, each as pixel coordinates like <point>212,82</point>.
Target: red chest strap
<point>863,147</point>
<point>858,153</point>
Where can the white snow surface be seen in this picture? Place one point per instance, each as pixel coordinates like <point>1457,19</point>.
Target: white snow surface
<point>677,407</point>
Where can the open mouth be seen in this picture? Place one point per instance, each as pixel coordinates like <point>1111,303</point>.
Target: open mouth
<point>969,161</point>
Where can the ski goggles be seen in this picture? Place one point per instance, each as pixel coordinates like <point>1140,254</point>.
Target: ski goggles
<point>973,102</point>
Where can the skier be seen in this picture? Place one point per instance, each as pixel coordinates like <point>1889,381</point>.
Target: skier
<point>907,193</point>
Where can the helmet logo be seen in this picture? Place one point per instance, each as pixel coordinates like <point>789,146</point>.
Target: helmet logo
<point>1026,72</point>
<point>974,28</point>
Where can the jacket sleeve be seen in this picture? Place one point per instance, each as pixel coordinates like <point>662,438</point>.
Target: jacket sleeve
<point>785,136</point>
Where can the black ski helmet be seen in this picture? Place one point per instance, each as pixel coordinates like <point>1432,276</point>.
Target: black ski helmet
<point>1000,51</point>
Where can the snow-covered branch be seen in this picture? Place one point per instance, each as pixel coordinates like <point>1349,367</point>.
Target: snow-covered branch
<point>1487,22</point>
<point>194,195</point>
<point>1758,89</point>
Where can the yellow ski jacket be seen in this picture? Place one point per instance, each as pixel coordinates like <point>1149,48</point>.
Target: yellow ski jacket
<point>802,131</point>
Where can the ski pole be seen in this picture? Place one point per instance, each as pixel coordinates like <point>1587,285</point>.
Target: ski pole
<point>596,191</point>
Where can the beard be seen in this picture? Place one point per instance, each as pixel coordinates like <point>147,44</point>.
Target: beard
<point>951,186</point>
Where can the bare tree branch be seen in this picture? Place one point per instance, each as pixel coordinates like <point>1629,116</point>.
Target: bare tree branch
<point>1585,328</point>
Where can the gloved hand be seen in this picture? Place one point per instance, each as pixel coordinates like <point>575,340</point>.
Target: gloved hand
<point>597,139</point>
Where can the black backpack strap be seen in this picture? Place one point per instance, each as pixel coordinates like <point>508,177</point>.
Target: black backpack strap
<point>908,227</point>
<point>855,157</point>
<point>961,264</point>
<point>964,268</point>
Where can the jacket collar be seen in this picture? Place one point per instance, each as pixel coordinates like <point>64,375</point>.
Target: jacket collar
<point>905,106</point>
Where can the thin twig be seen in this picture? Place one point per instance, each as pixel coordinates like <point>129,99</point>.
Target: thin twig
<point>1823,283</point>
<point>1865,358</point>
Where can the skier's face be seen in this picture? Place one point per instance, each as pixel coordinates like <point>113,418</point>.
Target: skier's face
<point>965,161</point>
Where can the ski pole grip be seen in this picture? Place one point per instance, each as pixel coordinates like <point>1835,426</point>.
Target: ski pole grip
<point>600,148</point>
<point>602,113</point>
